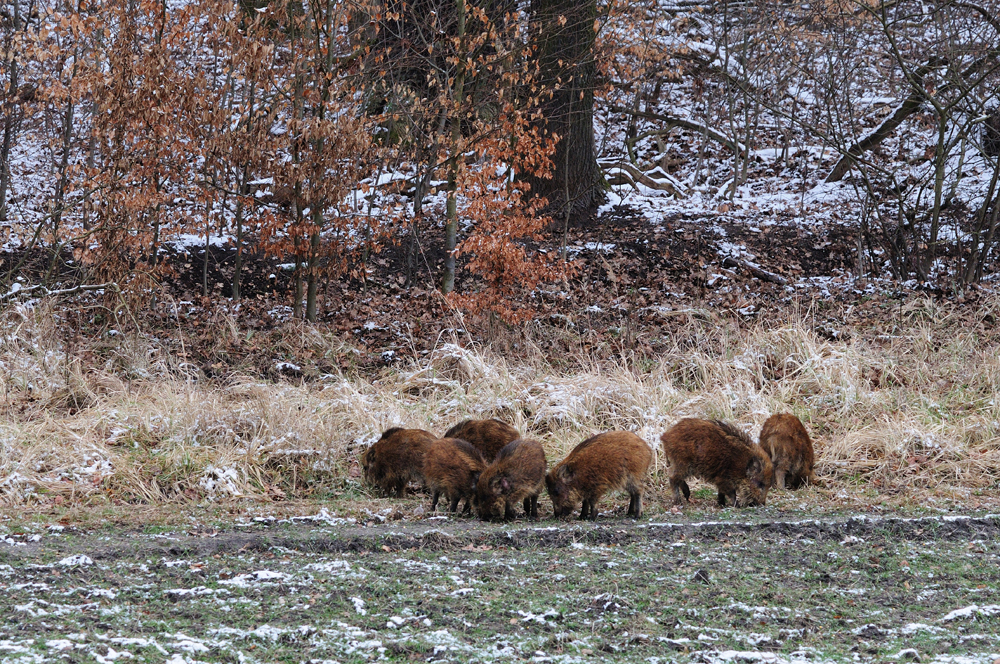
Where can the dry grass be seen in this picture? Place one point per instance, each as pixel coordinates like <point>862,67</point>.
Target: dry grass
<point>909,408</point>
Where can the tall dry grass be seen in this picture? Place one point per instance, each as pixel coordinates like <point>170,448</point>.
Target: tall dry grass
<point>910,406</point>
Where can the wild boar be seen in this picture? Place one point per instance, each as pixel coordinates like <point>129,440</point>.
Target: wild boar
<point>719,453</point>
<point>489,436</point>
<point>785,440</point>
<point>451,467</point>
<point>516,475</point>
<point>605,462</point>
<point>396,459</point>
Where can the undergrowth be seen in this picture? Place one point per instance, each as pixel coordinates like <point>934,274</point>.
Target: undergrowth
<point>902,410</point>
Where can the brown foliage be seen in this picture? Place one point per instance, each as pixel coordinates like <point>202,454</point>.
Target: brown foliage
<point>605,462</point>
<point>719,453</point>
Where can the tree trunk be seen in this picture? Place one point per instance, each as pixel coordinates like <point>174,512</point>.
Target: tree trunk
<point>10,121</point>
<point>565,43</point>
<point>458,101</point>
<point>238,264</point>
<point>312,278</point>
<point>208,244</point>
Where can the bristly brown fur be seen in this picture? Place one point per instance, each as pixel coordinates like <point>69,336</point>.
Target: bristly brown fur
<point>516,475</point>
<point>452,467</point>
<point>734,432</point>
<point>489,436</point>
<point>719,453</point>
<point>602,463</point>
<point>785,440</point>
<point>396,459</point>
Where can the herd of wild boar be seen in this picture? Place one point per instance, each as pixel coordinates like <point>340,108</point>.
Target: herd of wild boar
<point>487,464</point>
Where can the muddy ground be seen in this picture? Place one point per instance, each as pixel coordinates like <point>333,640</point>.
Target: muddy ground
<point>704,586</point>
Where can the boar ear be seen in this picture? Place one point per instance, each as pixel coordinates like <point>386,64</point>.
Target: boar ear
<point>565,472</point>
<point>475,480</point>
<point>754,467</point>
<point>504,484</point>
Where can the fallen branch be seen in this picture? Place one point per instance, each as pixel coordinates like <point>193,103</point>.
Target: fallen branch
<point>17,290</point>
<point>908,107</point>
<point>673,121</point>
<point>629,174</point>
<point>756,271</point>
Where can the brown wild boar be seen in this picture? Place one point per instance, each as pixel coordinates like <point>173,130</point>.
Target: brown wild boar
<point>719,453</point>
<point>489,436</point>
<point>396,459</point>
<point>602,463</point>
<point>452,467</point>
<point>786,441</point>
<point>516,475</point>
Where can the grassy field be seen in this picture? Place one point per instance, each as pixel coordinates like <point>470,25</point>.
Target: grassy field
<point>743,586</point>
<point>902,411</point>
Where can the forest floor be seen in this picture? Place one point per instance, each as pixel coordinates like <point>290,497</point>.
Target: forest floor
<point>636,282</point>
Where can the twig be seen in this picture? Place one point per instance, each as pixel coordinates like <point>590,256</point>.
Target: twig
<point>43,291</point>
<point>761,274</point>
<point>673,121</point>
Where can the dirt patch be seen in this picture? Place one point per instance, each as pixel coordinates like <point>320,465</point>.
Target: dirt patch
<point>314,535</point>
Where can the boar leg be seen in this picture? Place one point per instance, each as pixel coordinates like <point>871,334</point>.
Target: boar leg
<point>585,510</point>
<point>534,507</point>
<point>635,504</point>
<point>400,489</point>
<point>779,478</point>
<point>527,506</point>
<point>593,509</point>
<point>678,484</point>
<point>508,511</point>
<point>468,505</point>
<point>454,504</point>
<point>434,500</point>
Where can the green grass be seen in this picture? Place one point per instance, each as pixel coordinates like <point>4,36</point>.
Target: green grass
<point>457,591</point>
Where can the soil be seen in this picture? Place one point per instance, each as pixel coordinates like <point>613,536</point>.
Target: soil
<point>850,588</point>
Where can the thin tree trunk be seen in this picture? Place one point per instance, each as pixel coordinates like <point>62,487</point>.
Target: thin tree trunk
<point>312,280</point>
<point>208,238</point>
<point>238,263</point>
<point>60,198</point>
<point>10,120</point>
<point>458,101</point>
<point>299,284</point>
<point>979,250</point>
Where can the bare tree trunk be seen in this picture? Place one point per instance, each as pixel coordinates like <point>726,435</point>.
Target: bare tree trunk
<point>238,263</point>
<point>458,99</point>
<point>10,120</point>
<point>312,278</point>
<point>565,41</point>
<point>208,238</point>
